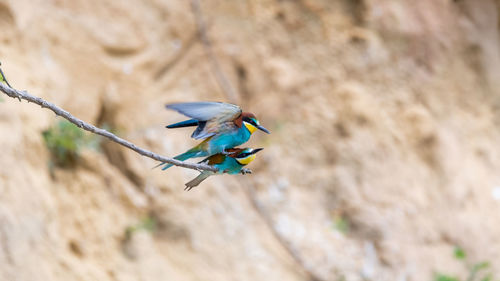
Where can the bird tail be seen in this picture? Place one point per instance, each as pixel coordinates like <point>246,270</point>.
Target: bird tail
<point>187,123</point>
<point>196,181</point>
<point>193,152</point>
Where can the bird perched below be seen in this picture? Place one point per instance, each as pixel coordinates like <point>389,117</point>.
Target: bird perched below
<point>220,125</point>
<point>232,162</point>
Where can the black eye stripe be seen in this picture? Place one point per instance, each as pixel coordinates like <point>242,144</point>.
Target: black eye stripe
<point>250,120</point>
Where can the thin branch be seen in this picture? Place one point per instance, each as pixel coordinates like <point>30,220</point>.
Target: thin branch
<point>214,63</point>
<point>13,93</point>
<point>3,77</point>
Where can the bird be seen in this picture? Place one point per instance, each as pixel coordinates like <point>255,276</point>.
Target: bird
<point>232,162</point>
<point>220,125</point>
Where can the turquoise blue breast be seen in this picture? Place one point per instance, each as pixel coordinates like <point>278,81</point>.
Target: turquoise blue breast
<point>225,141</point>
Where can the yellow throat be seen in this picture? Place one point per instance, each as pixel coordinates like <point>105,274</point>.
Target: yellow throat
<point>246,160</point>
<point>250,127</point>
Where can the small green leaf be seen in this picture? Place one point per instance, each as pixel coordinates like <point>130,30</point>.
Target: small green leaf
<point>64,141</point>
<point>487,278</point>
<point>443,277</point>
<point>459,253</point>
<point>481,265</point>
<point>476,268</point>
<point>148,224</point>
<point>341,224</point>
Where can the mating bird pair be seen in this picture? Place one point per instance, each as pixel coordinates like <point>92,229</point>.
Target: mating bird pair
<point>222,127</point>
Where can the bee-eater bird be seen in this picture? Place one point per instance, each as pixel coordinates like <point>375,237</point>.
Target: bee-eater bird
<point>231,162</point>
<point>221,125</point>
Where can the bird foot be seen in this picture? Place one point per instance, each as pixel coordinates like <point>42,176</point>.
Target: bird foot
<point>245,171</point>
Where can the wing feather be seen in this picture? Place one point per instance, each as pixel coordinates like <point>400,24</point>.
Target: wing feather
<point>212,128</point>
<point>217,117</point>
<point>215,159</point>
<point>205,111</point>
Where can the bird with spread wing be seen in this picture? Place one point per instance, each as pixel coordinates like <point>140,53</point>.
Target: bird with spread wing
<point>220,125</point>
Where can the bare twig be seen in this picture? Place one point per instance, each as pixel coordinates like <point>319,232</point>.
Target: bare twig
<point>3,78</point>
<point>214,63</point>
<point>13,93</point>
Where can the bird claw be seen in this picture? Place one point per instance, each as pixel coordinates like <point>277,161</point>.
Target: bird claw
<point>245,171</point>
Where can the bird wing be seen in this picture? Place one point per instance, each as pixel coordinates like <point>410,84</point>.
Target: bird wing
<point>217,116</point>
<point>214,159</point>
<point>212,128</point>
<point>204,111</point>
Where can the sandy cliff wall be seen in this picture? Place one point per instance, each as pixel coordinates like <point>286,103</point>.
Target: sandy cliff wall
<point>384,115</point>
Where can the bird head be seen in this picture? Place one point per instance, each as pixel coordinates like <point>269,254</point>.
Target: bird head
<point>251,123</point>
<point>246,155</point>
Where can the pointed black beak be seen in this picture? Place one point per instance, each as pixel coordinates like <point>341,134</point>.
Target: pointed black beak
<point>256,150</point>
<point>263,129</point>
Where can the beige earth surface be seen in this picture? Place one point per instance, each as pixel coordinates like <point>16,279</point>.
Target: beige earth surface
<point>384,153</point>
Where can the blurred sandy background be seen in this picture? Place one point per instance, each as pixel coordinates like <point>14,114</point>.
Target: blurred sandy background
<point>384,154</point>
